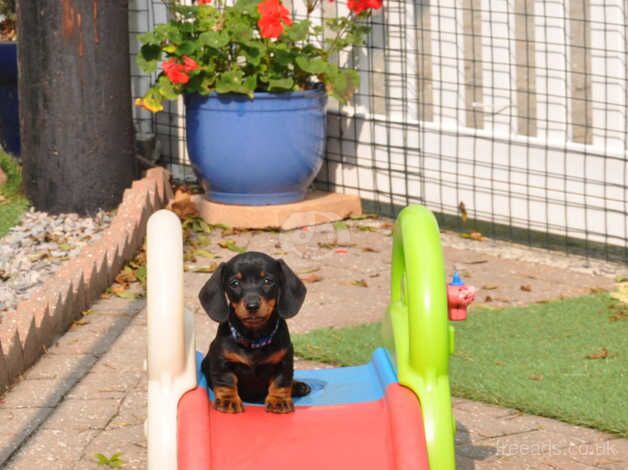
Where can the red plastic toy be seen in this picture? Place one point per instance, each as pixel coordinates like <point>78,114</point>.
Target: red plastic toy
<point>459,296</point>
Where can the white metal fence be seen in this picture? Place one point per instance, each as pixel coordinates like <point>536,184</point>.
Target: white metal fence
<point>516,108</point>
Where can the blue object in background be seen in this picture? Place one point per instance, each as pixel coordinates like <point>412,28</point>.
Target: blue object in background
<point>9,118</point>
<point>260,151</point>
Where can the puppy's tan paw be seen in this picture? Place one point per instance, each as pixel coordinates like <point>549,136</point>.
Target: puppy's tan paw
<point>279,405</point>
<point>229,405</point>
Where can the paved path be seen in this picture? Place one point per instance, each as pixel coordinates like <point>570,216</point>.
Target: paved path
<point>88,394</point>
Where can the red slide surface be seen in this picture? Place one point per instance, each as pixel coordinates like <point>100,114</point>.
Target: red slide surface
<point>377,435</point>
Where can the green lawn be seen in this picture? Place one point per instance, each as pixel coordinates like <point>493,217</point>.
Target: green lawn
<point>12,202</point>
<point>566,359</point>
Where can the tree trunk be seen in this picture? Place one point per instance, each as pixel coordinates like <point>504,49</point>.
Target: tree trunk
<point>75,103</point>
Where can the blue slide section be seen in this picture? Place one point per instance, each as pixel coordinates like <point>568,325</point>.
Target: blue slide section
<point>338,386</point>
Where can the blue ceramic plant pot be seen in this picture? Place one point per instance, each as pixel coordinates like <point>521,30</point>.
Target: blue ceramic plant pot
<point>258,151</point>
<point>9,120</point>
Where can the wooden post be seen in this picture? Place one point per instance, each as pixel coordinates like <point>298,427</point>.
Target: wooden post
<point>75,103</point>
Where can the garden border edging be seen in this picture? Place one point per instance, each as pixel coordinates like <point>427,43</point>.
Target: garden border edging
<point>36,323</point>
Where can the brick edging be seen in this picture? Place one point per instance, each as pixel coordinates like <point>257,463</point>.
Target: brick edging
<point>27,331</point>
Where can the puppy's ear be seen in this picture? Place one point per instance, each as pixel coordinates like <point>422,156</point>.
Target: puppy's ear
<point>292,292</point>
<point>212,296</point>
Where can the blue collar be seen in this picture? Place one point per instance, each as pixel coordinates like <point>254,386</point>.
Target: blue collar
<point>255,343</point>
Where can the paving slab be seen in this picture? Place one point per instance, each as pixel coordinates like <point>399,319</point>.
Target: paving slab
<point>88,394</point>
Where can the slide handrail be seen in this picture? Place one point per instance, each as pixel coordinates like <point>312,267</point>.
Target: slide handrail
<point>171,359</point>
<point>418,329</point>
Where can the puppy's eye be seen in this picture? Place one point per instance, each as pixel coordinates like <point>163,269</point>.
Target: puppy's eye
<point>268,282</point>
<point>235,283</point>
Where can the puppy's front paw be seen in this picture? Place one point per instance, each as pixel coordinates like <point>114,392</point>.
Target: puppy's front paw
<point>279,405</point>
<point>229,405</point>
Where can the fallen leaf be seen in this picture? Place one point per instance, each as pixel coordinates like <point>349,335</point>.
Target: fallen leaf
<point>125,276</point>
<point>374,275</point>
<point>311,270</point>
<point>128,295</point>
<point>364,216</point>
<point>205,269</point>
<point>526,288</point>
<point>359,283</point>
<point>488,298</point>
<point>463,212</point>
<point>490,287</point>
<point>140,275</point>
<point>311,278</point>
<point>366,228</point>
<point>499,363</point>
<point>340,225</point>
<point>80,322</point>
<point>368,249</point>
<point>65,247</point>
<point>231,246</point>
<point>536,377</point>
<point>479,261</point>
<point>182,205</point>
<point>601,354</point>
<point>622,315</point>
<point>621,278</point>
<point>203,253</point>
<point>477,236</point>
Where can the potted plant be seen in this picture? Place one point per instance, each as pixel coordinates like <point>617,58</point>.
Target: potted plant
<point>9,122</point>
<point>255,83</point>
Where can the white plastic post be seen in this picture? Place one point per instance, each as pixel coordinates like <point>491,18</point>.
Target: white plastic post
<point>171,361</point>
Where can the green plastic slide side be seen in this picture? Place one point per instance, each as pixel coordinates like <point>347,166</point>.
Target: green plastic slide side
<point>416,328</point>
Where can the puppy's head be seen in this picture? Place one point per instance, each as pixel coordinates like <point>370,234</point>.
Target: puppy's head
<point>253,285</point>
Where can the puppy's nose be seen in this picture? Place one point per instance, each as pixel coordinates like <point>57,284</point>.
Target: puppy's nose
<point>252,304</point>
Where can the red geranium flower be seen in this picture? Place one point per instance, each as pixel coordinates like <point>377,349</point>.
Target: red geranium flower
<point>204,2</point>
<point>358,6</point>
<point>189,64</point>
<point>273,18</point>
<point>176,71</point>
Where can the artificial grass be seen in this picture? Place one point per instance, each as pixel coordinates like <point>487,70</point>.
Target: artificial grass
<point>12,202</point>
<point>566,359</point>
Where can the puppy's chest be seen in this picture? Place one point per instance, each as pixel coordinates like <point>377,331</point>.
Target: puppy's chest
<point>254,361</point>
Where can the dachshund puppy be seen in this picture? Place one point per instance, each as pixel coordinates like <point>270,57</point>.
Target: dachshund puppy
<point>251,358</point>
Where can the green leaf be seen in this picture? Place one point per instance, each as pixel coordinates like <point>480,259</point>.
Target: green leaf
<point>231,82</point>
<point>214,39</point>
<point>298,31</point>
<point>166,88</point>
<point>342,83</point>
<point>148,57</point>
<point>314,66</point>
<point>140,274</point>
<point>253,52</point>
<point>186,48</point>
<point>280,84</point>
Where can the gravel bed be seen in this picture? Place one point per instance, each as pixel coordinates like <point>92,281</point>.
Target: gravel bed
<point>33,250</point>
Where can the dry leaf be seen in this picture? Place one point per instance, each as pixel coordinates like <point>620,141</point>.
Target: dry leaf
<point>182,205</point>
<point>601,354</point>
<point>366,228</point>
<point>477,236</point>
<point>125,276</point>
<point>490,287</point>
<point>203,253</point>
<point>310,270</point>
<point>621,315</point>
<point>536,377</point>
<point>359,283</point>
<point>499,363</point>
<point>311,278</point>
<point>479,261</point>
<point>463,212</point>
<point>368,249</point>
<point>340,225</point>
<point>231,246</point>
<point>526,288</point>
<point>210,268</point>
<point>488,298</point>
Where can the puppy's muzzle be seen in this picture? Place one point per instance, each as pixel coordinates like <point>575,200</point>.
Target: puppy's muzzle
<point>252,303</point>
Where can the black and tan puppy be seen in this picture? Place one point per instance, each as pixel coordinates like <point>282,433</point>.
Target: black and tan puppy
<point>251,358</point>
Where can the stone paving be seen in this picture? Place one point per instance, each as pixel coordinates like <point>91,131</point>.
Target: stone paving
<point>87,395</point>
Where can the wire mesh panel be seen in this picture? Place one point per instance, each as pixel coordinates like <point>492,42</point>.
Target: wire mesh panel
<point>511,113</point>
